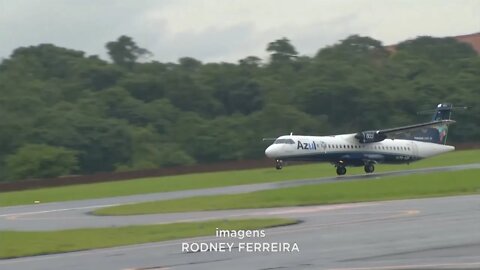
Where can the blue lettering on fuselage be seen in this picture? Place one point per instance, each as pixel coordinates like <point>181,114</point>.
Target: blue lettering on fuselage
<point>306,146</point>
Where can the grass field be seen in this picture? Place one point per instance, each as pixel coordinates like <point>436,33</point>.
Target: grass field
<point>208,180</point>
<point>402,187</point>
<point>19,244</point>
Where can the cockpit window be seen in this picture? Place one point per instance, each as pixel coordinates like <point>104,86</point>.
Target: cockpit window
<point>284,141</point>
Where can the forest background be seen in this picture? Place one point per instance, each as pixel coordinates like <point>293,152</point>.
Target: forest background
<point>64,112</point>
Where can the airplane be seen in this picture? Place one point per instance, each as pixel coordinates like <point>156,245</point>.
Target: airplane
<point>367,148</point>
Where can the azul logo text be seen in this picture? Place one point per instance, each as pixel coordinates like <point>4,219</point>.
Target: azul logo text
<point>306,146</point>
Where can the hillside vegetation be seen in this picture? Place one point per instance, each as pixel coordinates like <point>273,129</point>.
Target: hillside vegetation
<point>64,112</point>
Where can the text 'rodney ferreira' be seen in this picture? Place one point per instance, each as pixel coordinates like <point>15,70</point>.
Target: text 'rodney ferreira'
<point>239,246</point>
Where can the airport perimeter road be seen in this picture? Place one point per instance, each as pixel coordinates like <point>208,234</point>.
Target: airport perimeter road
<point>406,234</point>
<point>74,214</point>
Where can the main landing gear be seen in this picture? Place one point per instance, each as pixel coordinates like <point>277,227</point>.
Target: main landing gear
<point>369,168</point>
<point>341,170</point>
<point>278,164</point>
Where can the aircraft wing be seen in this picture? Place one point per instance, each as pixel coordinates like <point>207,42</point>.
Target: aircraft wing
<point>382,134</point>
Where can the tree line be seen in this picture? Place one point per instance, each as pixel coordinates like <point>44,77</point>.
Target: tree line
<point>65,112</point>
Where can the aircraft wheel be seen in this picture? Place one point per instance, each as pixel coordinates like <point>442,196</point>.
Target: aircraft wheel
<point>278,164</point>
<point>369,168</point>
<point>341,170</point>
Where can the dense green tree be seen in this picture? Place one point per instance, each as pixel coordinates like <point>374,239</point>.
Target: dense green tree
<point>150,151</point>
<point>133,114</point>
<point>187,95</point>
<point>45,61</point>
<point>144,87</point>
<point>99,76</point>
<point>240,95</point>
<point>437,49</point>
<point>251,61</point>
<point>189,63</point>
<point>281,50</point>
<point>125,52</point>
<point>40,161</point>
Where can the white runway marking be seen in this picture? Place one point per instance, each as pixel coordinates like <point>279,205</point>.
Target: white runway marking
<point>314,209</point>
<point>15,215</point>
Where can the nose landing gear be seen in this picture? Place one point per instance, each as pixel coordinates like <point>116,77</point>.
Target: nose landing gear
<point>278,164</point>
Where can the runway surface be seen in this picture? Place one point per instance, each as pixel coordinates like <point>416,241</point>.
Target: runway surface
<point>407,234</point>
<point>74,214</point>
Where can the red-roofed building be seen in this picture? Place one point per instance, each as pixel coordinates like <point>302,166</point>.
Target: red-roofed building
<point>472,39</point>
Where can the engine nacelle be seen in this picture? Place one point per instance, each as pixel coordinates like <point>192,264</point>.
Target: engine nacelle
<point>370,137</point>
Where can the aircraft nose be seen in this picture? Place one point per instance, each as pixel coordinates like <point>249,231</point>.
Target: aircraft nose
<point>268,151</point>
<point>271,151</point>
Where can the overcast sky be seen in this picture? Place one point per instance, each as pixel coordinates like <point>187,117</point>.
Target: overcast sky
<point>225,30</point>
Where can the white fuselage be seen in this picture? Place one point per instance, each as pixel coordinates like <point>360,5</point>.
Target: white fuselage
<point>347,150</point>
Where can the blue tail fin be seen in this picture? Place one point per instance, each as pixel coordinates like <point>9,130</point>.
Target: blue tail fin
<point>434,131</point>
<point>436,134</point>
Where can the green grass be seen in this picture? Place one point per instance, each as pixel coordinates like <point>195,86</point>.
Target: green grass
<point>400,187</point>
<point>208,180</point>
<point>19,244</point>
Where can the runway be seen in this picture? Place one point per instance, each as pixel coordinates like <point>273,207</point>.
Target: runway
<point>74,214</point>
<point>405,234</point>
